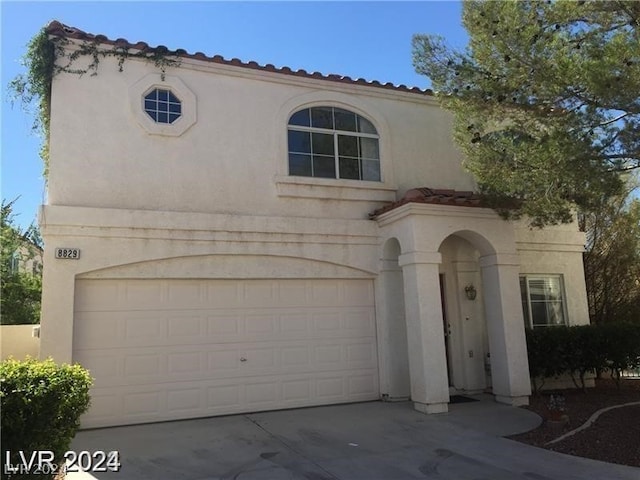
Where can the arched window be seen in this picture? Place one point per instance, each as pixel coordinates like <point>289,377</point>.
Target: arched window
<point>331,142</point>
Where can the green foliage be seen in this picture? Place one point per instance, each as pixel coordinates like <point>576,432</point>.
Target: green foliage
<point>612,259</point>
<point>20,291</point>
<point>35,86</point>
<point>48,55</point>
<point>621,347</point>
<point>41,405</point>
<point>21,294</point>
<point>545,100</point>
<point>544,347</point>
<point>582,350</point>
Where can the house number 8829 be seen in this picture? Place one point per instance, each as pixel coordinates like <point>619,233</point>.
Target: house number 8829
<point>68,253</point>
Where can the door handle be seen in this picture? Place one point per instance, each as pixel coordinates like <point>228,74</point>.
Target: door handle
<point>242,359</point>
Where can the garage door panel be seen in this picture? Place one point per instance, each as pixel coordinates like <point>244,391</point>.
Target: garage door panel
<point>223,360</point>
<point>145,403</point>
<point>186,295</point>
<point>133,329</point>
<point>359,321</point>
<point>362,384</point>
<point>145,366</point>
<point>220,292</point>
<point>224,325</point>
<point>143,295</point>
<point>185,362</point>
<point>103,367</point>
<point>259,294</point>
<point>149,365</point>
<point>187,399</point>
<point>145,328</point>
<point>331,388</point>
<point>360,354</point>
<point>103,407</point>
<point>260,325</point>
<point>326,293</point>
<point>187,326</point>
<point>169,349</point>
<point>141,404</point>
<point>328,355</point>
<point>296,390</point>
<point>96,329</point>
<point>96,296</point>
<point>295,356</point>
<point>224,397</point>
<point>327,323</point>
<point>293,295</point>
<point>261,393</point>
<point>125,295</point>
<point>358,293</point>
<point>295,324</point>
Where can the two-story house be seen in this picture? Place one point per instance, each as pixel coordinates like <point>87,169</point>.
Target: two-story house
<point>240,237</point>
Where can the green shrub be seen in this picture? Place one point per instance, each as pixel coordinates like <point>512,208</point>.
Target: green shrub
<point>545,351</point>
<point>621,347</point>
<point>41,406</point>
<point>580,350</point>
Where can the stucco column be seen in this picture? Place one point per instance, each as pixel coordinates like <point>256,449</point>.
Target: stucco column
<point>56,322</point>
<point>505,324</point>
<point>392,332</point>
<point>425,332</point>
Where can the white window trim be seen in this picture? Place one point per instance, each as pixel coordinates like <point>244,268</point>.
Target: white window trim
<point>563,296</point>
<point>142,87</point>
<point>333,188</point>
<point>336,153</point>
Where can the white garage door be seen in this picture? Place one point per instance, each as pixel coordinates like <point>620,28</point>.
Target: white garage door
<point>172,349</point>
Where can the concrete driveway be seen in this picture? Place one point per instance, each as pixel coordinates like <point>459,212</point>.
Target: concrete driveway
<point>369,441</point>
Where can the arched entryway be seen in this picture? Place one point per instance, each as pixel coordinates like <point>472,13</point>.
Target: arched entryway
<point>465,327</point>
<point>457,282</point>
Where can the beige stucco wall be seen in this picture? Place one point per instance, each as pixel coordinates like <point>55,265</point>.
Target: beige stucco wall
<point>234,158</point>
<point>557,250</point>
<point>17,341</point>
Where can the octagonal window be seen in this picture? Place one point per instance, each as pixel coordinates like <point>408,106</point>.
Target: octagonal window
<point>162,106</point>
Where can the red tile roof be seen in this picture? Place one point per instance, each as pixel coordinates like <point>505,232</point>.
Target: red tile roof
<point>58,29</point>
<point>434,196</point>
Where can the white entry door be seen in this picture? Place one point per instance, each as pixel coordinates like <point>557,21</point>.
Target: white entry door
<point>164,349</point>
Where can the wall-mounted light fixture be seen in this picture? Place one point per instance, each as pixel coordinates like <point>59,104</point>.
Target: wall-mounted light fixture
<point>470,292</point>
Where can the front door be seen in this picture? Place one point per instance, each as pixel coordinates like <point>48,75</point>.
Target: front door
<point>446,327</point>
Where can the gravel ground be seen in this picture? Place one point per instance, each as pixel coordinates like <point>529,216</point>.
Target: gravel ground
<point>614,437</point>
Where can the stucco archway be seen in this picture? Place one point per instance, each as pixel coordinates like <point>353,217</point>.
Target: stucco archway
<point>482,248</point>
<point>465,329</point>
<point>488,348</point>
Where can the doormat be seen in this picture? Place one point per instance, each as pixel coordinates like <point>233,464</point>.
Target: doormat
<point>461,399</point>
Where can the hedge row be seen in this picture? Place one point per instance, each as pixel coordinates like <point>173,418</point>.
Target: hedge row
<point>41,407</point>
<point>582,350</point>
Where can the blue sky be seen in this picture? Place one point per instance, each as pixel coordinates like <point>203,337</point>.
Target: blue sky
<point>371,40</point>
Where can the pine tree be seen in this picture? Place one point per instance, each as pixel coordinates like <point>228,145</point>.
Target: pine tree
<point>546,101</point>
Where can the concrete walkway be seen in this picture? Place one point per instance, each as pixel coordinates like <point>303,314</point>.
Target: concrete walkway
<point>369,441</point>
